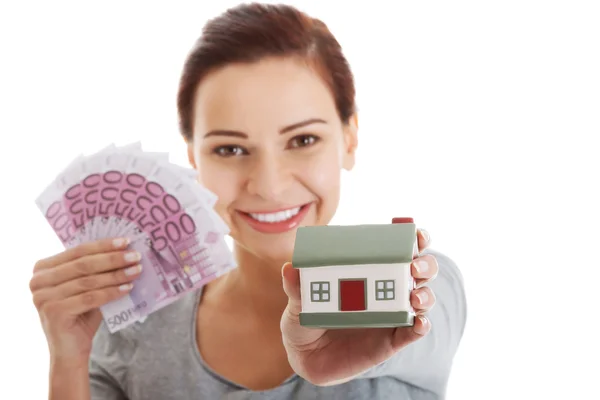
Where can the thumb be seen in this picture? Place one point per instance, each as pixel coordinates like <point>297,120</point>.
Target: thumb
<point>291,286</point>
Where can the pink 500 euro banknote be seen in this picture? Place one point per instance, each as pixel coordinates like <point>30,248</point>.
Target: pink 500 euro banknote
<point>167,214</point>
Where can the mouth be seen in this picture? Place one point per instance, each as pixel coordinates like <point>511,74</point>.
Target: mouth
<point>277,221</point>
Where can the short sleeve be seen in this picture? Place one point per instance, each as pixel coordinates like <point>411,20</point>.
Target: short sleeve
<point>107,369</point>
<point>427,362</point>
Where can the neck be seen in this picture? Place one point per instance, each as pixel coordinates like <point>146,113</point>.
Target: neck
<point>257,283</point>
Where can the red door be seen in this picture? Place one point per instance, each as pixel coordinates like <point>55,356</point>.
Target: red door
<point>352,295</point>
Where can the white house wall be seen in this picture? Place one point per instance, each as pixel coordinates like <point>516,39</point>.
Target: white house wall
<point>372,272</point>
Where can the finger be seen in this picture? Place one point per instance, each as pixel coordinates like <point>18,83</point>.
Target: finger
<point>405,336</point>
<point>422,300</point>
<point>424,269</point>
<point>85,266</point>
<point>422,325</point>
<point>291,286</point>
<point>88,301</point>
<point>424,239</point>
<point>86,284</point>
<point>86,249</point>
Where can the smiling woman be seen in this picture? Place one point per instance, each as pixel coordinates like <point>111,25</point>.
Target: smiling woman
<point>266,106</point>
<point>272,130</point>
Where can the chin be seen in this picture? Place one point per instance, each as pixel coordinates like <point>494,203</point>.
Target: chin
<point>279,252</point>
<point>276,249</point>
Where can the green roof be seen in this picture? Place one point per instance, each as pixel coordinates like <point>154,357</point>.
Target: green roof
<point>318,246</point>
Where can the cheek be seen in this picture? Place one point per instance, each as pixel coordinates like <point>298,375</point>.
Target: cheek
<point>322,176</point>
<point>220,180</point>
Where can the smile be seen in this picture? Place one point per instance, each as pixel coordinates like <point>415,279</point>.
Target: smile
<point>278,216</point>
<point>276,221</point>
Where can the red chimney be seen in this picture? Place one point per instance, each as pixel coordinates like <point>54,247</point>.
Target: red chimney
<point>402,220</point>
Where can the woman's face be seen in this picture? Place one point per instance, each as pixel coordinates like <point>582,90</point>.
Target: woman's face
<point>269,143</point>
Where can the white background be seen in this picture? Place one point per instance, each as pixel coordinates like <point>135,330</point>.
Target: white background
<point>480,119</point>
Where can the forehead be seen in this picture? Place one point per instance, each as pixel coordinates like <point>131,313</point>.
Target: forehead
<point>265,95</point>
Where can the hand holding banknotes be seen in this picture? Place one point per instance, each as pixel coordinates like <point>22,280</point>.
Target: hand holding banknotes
<point>333,356</point>
<point>69,288</point>
<point>139,232</point>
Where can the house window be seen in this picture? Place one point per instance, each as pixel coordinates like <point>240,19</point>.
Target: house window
<point>385,290</point>
<point>319,292</point>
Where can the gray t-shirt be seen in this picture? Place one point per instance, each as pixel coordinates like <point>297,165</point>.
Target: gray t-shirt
<point>159,359</point>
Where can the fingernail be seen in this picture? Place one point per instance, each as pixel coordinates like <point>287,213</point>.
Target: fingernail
<point>283,269</point>
<point>133,256</point>
<point>120,242</point>
<point>136,269</point>
<point>125,287</point>
<point>423,297</point>
<point>421,266</point>
<point>425,235</point>
<point>423,328</point>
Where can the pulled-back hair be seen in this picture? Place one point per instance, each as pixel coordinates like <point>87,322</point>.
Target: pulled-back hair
<point>250,32</point>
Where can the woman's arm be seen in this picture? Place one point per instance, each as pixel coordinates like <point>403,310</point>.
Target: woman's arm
<point>93,381</point>
<point>68,383</point>
<point>98,380</point>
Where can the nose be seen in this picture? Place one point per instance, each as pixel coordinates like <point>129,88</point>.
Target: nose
<point>269,177</point>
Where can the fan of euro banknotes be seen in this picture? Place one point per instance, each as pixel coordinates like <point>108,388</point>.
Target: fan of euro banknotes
<point>160,206</point>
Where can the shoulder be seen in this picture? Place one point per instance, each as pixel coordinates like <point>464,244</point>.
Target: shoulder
<point>129,363</point>
<point>449,273</point>
<point>114,351</point>
<point>448,267</point>
<point>449,314</point>
<point>427,362</point>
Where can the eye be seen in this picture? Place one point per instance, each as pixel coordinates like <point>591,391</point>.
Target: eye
<point>229,151</point>
<point>303,141</point>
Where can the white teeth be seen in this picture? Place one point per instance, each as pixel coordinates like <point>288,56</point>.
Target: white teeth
<point>276,217</point>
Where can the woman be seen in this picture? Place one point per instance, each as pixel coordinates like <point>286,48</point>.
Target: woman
<point>266,105</point>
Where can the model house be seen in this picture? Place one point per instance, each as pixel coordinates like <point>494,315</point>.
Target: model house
<point>356,276</point>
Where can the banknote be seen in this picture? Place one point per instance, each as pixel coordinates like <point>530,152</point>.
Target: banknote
<point>169,217</point>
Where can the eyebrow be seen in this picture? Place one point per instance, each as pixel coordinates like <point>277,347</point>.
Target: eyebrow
<point>289,128</point>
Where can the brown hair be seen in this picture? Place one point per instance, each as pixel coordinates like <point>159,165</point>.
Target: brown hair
<point>250,32</point>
